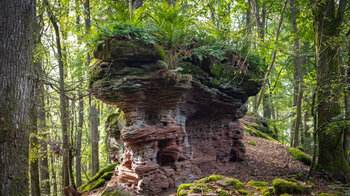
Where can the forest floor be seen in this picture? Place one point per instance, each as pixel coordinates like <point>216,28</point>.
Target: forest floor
<point>266,161</point>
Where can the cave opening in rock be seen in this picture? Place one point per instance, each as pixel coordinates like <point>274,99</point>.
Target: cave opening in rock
<point>164,158</point>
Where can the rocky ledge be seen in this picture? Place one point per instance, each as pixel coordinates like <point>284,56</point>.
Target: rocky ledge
<point>181,123</point>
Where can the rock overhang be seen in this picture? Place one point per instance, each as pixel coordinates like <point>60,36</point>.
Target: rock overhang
<point>180,124</point>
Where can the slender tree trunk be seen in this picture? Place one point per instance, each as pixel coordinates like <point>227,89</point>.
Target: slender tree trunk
<point>53,175</point>
<point>94,138</point>
<point>266,107</point>
<point>44,163</point>
<point>330,138</point>
<point>269,69</point>
<point>298,79</point>
<point>93,110</point>
<point>347,106</point>
<point>78,142</point>
<point>16,83</point>
<point>34,155</point>
<point>63,104</point>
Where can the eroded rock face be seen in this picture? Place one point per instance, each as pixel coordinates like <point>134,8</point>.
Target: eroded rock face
<point>179,126</point>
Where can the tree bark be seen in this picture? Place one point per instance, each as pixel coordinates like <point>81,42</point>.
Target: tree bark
<point>63,104</point>
<point>94,139</point>
<point>266,107</point>
<point>347,106</point>
<point>298,79</point>
<point>330,134</point>
<point>34,155</point>
<point>78,142</point>
<point>53,175</point>
<point>16,83</point>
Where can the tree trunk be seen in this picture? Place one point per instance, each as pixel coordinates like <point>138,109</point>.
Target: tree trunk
<point>16,83</point>
<point>269,69</point>
<point>347,106</point>
<point>53,176</point>
<point>78,142</point>
<point>93,110</point>
<point>266,107</point>
<point>298,79</point>
<point>94,138</point>
<point>63,104</point>
<point>330,134</point>
<point>44,163</point>
<point>33,142</point>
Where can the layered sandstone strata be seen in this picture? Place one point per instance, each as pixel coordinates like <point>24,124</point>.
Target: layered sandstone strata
<point>180,125</point>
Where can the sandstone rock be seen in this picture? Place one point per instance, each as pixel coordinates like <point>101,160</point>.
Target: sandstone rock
<point>179,125</point>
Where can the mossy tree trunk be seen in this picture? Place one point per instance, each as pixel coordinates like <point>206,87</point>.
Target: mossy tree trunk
<point>330,131</point>
<point>17,19</point>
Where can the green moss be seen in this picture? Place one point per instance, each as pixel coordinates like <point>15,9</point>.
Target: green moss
<point>99,183</point>
<point>223,193</point>
<point>258,183</point>
<point>203,180</point>
<point>299,155</point>
<point>252,143</point>
<point>286,194</point>
<point>254,132</point>
<point>105,172</point>
<point>329,194</point>
<point>266,192</point>
<point>112,119</point>
<point>301,148</point>
<point>215,178</point>
<point>161,52</point>
<point>235,183</point>
<point>243,192</point>
<point>196,190</point>
<point>108,175</point>
<point>182,193</point>
<point>281,186</point>
<point>184,187</point>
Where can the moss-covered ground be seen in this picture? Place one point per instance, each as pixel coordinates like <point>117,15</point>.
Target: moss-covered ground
<point>226,186</point>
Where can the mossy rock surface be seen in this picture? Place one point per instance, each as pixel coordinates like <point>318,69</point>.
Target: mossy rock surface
<point>224,186</point>
<point>281,186</point>
<point>258,183</point>
<point>259,126</point>
<point>128,50</point>
<point>99,179</point>
<point>300,155</point>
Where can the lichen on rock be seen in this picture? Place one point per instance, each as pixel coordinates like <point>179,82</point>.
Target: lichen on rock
<point>179,123</point>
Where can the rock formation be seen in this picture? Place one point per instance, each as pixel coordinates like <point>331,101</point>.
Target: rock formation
<point>180,124</point>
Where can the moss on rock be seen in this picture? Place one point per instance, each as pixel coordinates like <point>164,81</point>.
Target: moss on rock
<point>258,183</point>
<point>235,183</point>
<point>243,192</point>
<point>299,155</point>
<point>99,179</point>
<point>184,187</point>
<point>281,186</point>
